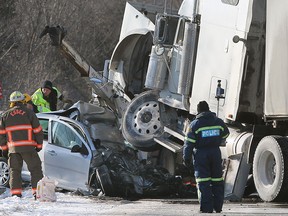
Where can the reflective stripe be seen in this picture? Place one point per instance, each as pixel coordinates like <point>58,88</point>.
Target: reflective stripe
<point>39,146</point>
<point>203,179</point>
<point>22,143</point>
<point>209,179</point>
<point>2,131</point>
<point>225,136</point>
<point>209,128</point>
<point>9,134</point>
<point>16,191</point>
<point>30,134</point>
<point>4,148</point>
<point>38,129</point>
<point>27,142</point>
<point>217,179</point>
<point>190,140</point>
<point>18,127</point>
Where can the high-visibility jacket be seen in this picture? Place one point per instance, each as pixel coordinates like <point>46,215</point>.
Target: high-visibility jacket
<point>20,130</point>
<point>46,104</point>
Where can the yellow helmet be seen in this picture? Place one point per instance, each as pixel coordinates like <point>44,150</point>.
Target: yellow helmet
<point>27,98</point>
<point>16,96</point>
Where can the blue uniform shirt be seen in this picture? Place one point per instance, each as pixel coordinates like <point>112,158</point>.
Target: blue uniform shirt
<point>205,131</point>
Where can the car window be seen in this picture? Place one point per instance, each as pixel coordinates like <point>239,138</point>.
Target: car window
<point>80,132</point>
<point>44,124</point>
<point>64,136</point>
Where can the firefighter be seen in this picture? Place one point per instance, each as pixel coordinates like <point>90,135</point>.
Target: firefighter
<point>46,97</point>
<point>22,136</point>
<point>29,103</point>
<point>203,139</point>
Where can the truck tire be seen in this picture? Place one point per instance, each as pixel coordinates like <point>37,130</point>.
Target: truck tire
<point>4,172</point>
<point>141,121</point>
<point>270,168</point>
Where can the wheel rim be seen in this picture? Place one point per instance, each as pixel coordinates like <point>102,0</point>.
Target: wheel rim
<point>146,119</point>
<point>4,173</point>
<point>267,170</point>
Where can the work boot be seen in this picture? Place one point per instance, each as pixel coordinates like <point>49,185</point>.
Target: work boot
<point>34,195</point>
<point>17,195</point>
<point>202,211</point>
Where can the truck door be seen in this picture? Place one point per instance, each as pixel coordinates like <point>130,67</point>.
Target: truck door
<point>218,57</point>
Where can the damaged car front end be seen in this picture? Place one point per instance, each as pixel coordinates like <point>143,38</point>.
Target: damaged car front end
<point>84,151</point>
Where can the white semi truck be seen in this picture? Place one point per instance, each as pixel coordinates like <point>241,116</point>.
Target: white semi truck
<point>231,53</point>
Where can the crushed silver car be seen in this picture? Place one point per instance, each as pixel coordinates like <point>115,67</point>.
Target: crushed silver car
<point>84,151</point>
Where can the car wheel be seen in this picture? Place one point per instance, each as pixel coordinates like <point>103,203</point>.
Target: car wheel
<point>4,172</point>
<point>270,168</point>
<point>141,121</point>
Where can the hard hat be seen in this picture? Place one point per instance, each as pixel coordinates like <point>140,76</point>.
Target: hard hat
<point>28,98</point>
<point>16,96</point>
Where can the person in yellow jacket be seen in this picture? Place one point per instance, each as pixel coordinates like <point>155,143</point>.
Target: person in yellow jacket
<point>21,136</point>
<point>46,97</point>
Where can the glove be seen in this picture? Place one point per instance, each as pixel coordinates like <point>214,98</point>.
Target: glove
<point>38,149</point>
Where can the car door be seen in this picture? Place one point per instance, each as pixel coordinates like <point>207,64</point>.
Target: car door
<point>25,174</point>
<point>69,169</point>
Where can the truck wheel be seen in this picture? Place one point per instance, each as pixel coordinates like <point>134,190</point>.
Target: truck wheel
<point>141,121</point>
<point>270,168</point>
<point>167,160</point>
<point>4,172</point>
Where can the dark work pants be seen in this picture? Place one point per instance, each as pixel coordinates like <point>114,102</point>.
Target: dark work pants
<point>34,166</point>
<point>208,174</point>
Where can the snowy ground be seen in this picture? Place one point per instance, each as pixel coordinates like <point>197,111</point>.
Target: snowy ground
<point>69,204</point>
<point>66,204</point>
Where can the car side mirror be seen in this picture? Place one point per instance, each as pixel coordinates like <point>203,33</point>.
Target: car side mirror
<point>83,150</point>
<point>76,148</point>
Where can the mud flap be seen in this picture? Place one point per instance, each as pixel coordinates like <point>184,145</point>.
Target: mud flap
<point>236,175</point>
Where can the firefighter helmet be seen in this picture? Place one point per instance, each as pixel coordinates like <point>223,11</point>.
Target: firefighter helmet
<point>16,96</point>
<point>28,98</point>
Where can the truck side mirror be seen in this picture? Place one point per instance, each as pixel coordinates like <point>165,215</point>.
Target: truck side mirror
<point>165,28</point>
<point>160,30</point>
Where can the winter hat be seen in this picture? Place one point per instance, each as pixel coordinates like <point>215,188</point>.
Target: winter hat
<point>47,84</point>
<point>202,107</point>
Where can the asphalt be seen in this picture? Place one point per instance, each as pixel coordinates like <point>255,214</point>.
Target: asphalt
<point>175,207</point>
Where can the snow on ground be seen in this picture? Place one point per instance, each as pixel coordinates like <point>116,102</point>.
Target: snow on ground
<point>66,204</point>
